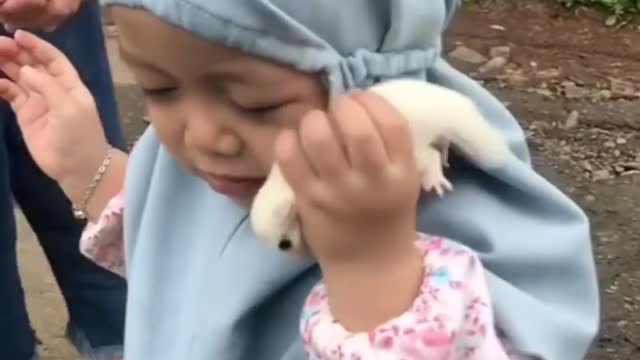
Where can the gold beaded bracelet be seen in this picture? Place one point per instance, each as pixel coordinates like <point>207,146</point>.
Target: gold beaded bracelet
<point>80,210</point>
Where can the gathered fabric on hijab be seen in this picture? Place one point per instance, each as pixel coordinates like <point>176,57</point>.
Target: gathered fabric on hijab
<point>202,287</point>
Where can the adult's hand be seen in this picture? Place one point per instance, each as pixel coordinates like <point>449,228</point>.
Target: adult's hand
<point>56,113</point>
<point>44,15</point>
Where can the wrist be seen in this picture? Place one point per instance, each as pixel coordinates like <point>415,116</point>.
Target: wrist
<point>374,245</point>
<point>78,184</point>
<point>368,292</point>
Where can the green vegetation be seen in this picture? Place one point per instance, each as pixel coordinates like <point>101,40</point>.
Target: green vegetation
<point>616,7</point>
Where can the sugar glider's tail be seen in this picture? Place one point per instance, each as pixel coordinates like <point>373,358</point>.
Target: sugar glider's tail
<point>435,112</point>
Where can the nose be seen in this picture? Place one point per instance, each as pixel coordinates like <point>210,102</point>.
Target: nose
<point>212,137</point>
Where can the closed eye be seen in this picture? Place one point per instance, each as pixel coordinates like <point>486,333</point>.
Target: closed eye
<point>159,92</point>
<point>262,109</point>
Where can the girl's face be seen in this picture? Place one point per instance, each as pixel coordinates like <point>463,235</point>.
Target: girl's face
<point>216,110</point>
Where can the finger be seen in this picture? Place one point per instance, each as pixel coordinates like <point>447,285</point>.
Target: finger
<point>18,6</point>
<point>392,125</point>
<point>321,146</point>
<point>27,110</point>
<point>52,59</point>
<point>11,69</point>
<point>8,47</point>
<point>43,84</point>
<point>295,168</point>
<point>9,51</point>
<point>23,14</point>
<point>12,93</point>
<point>365,149</point>
<point>13,57</point>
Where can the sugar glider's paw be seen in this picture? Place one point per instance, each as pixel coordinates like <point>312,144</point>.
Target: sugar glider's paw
<point>444,152</point>
<point>436,182</point>
<point>430,161</point>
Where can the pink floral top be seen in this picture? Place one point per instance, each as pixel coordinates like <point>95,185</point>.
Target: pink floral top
<point>103,241</point>
<point>451,318</point>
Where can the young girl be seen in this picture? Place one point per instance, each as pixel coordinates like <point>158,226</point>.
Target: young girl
<point>232,86</point>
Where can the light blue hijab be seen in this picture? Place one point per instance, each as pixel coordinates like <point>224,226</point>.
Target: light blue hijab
<point>203,288</point>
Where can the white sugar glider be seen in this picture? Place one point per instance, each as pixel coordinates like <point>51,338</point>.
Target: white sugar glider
<point>437,117</point>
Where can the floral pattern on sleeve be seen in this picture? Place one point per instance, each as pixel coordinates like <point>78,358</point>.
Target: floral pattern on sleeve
<point>103,241</point>
<point>450,319</point>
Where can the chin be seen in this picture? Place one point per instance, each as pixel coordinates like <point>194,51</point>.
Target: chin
<point>244,202</point>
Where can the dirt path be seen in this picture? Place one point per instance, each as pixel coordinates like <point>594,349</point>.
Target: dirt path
<point>567,79</point>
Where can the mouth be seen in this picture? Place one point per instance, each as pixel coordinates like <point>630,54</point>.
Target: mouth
<point>234,186</point>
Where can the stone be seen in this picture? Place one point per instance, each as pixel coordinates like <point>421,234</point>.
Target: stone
<point>515,77</point>
<point>548,74</point>
<point>601,175</point>
<point>621,88</point>
<point>465,54</point>
<point>603,94</point>
<point>500,51</point>
<point>573,91</point>
<point>572,120</point>
<point>494,65</point>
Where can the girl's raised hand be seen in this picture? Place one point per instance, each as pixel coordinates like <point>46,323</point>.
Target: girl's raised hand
<point>355,179</point>
<point>356,185</point>
<point>55,111</point>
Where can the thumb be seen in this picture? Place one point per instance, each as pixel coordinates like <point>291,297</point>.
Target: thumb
<point>11,93</point>
<point>44,85</point>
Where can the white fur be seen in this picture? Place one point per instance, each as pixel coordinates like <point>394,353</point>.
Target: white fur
<point>436,117</point>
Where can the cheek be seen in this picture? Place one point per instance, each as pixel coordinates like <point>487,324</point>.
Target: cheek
<point>170,129</point>
<point>265,142</point>
<point>261,144</point>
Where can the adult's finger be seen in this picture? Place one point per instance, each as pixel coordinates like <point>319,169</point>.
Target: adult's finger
<point>9,48</point>
<point>14,57</point>
<point>23,13</point>
<point>21,6</point>
<point>12,93</point>
<point>44,84</point>
<point>52,59</point>
<point>10,68</point>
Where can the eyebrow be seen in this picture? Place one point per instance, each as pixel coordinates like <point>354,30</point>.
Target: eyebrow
<point>133,59</point>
